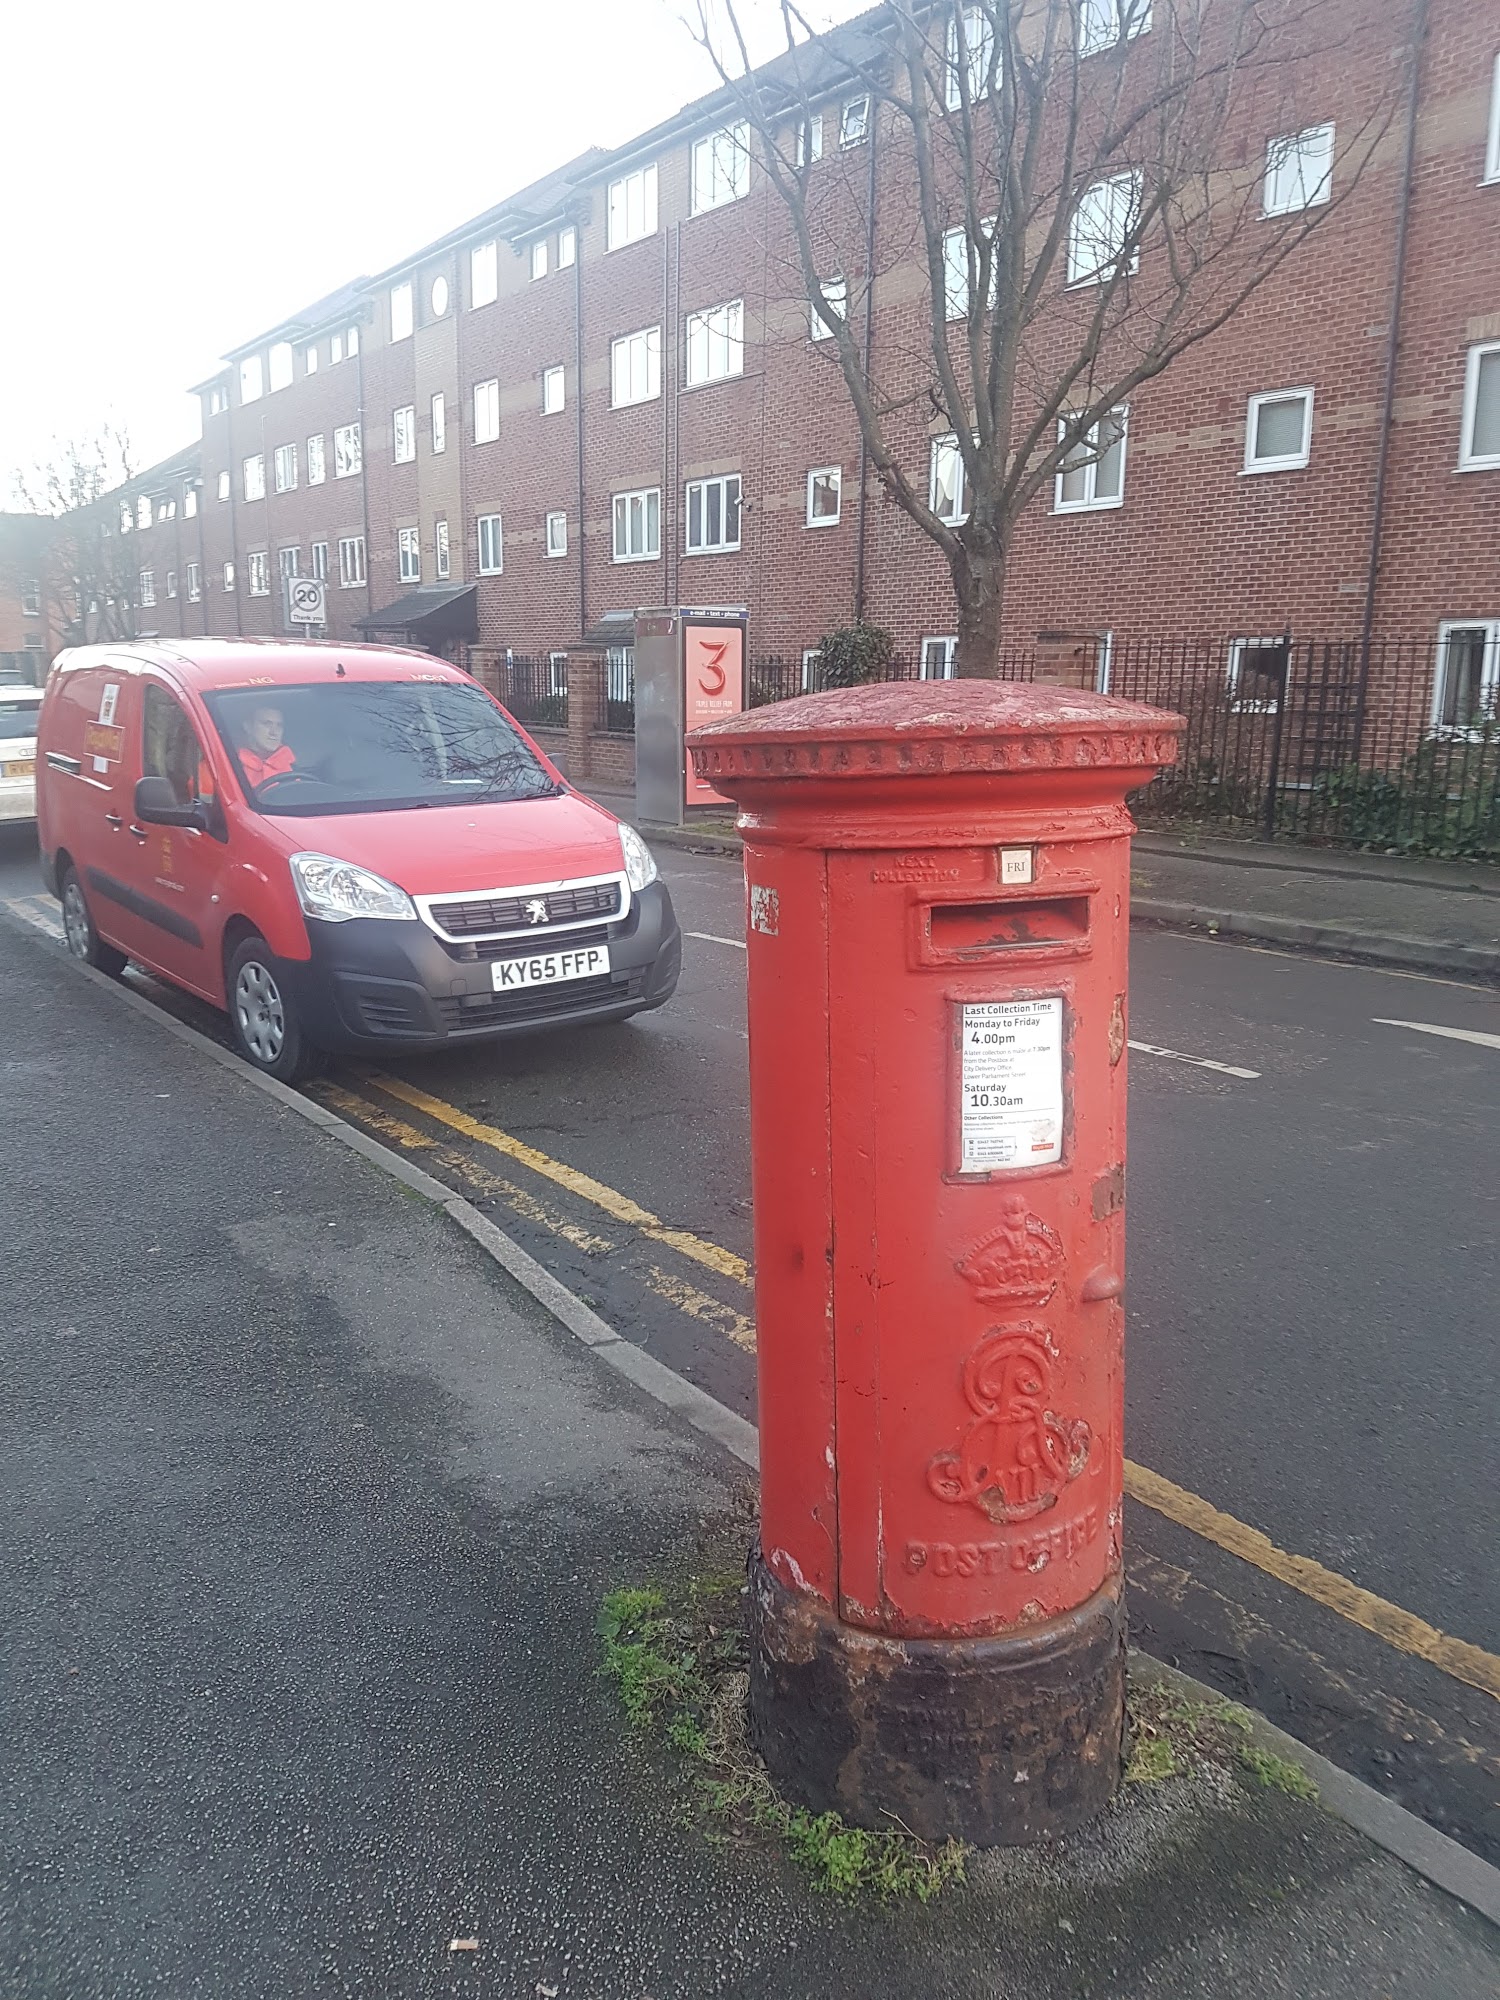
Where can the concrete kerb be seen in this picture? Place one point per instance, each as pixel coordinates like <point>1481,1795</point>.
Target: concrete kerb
<point>1428,1853</point>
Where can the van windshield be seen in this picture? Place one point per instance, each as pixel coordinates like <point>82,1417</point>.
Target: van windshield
<point>374,746</point>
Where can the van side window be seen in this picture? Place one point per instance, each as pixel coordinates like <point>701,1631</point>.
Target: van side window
<point>170,748</point>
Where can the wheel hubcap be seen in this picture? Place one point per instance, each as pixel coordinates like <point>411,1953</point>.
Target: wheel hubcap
<point>258,1009</point>
<point>75,921</point>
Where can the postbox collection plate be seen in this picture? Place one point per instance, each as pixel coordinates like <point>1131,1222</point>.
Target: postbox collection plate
<point>1010,1097</point>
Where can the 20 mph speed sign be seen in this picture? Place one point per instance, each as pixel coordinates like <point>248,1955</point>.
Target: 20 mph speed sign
<point>306,600</point>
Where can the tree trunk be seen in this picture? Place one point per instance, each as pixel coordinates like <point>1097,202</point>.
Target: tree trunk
<point>981,597</point>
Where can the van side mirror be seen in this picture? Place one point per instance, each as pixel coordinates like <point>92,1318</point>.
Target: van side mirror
<point>158,805</point>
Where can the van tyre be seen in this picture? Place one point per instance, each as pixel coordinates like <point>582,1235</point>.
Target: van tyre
<point>83,941</point>
<point>263,1017</point>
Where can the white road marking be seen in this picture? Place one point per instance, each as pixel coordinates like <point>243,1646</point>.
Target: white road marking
<point>1451,1034</point>
<point>735,944</point>
<point>38,911</point>
<point>1198,1062</point>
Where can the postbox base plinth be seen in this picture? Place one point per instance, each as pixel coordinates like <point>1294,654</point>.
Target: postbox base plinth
<point>998,1741</point>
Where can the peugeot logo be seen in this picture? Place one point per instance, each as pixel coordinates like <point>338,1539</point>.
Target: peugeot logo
<point>536,911</point>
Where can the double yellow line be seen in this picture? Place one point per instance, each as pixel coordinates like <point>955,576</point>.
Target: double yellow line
<point>1398,1628</point>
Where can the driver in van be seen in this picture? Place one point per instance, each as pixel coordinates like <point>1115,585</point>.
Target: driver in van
<point>262,751</point>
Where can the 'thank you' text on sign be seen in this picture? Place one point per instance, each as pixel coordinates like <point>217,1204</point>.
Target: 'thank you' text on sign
<point>1011,1089</point>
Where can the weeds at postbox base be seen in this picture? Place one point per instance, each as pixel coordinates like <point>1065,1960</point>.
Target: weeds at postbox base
<point>1171,1735</point>
<point>676,1654</point>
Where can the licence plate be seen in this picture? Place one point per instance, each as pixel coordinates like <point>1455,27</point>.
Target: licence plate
<point>19,767</point>
<point>549,968</point>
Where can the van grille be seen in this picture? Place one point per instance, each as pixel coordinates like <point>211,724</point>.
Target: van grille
<point>511,947</point>
<point>471,916</point>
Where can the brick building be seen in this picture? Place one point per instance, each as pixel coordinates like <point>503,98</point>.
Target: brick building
<point>607,391</point>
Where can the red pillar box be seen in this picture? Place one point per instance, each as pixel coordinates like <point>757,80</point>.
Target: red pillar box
<point>938,887</point>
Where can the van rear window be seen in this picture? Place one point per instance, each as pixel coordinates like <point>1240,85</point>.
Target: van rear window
<point>374,746</point>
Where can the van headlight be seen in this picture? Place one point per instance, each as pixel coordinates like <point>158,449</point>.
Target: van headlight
<point>640,863</point>
<point>337,890</point>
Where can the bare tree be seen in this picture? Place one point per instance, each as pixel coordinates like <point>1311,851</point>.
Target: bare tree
<point>89,574</point>
<point>1068,202</point>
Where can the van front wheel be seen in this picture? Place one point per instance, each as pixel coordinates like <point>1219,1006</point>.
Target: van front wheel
<point>263,1018</point>
<point>83,941</point>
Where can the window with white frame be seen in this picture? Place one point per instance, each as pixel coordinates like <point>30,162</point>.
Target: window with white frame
<point>439,423</point>
<point>824,495</point>
<point>637,521</point>
<point>127,512</point>
<point>1492,149</point>
<point>31,598</point>
<point>484,275</point>
<point>404,434</point>
<point>631,208</point>
<point>1278,430</point>
<point>194,583</point>
<point>320,561</point>
<point>223,489</point>
<point>487,411</point>
<point>713,514</point>
<point>567,248</point>
<point>284,468</point>
<point>539,259</point>
<point>557,673</point>
<point>1258,673</point>
<point>442,559</point>
<point>1092,473</point>
<point>807,139</point>
<point>166,510</point>
<point>955,273</point>
<point>938,657</point>
<point>556,542</point>
<point>288,562</point>
<point>1299,171</point>
<point>947,482</point>
<point>228,574</point>
<point>1479,442</point>
<point>720,168</point>
<point>1104,24</point>
<point>336,348</point>
<point>146,587</point>
<point>253,476</point>
<point>854,120</point>
<point>491,545</point>
<point>348,452</point>
<point>401,314</point>
<point>836,297</point>
<point>1466,693</point>
<point>317,465</point>
<point>812,659</point>
<point>143,504</point>
<point>351,562</point>
<point>635,367</point>
<point>409,555</point>
<point>171,583</point>
<point>252,379</point>
<point>189,502</point>
<point>1103,222</point>
<point>351,342</point>
<point>554,390</point>
<point>437,296</point>
<point>310,359</point>
<point>259,573</point>
<point>970,56</point>
<point>716,343</point>
<point>279,371</point>
<point>218,400</point>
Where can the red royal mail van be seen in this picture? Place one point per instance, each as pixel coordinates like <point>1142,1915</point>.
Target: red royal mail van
<point>348,848</point>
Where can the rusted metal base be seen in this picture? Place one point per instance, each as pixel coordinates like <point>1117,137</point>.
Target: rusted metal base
<point>998,1741</point>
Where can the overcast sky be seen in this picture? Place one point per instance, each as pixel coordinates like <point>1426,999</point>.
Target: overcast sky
<point>182,173</point>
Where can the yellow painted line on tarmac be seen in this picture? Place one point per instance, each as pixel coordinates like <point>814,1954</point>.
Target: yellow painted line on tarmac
<point>1398,1628</point>
<point>698,1305</point>
<point>399,1133</point>
<point>1402,1630</point>
<point>619,1206</point>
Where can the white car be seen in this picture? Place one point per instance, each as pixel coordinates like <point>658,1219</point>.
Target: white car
<point>19,708</point>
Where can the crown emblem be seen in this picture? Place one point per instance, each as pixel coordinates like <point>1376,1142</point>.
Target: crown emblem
<point>1019,1260</point>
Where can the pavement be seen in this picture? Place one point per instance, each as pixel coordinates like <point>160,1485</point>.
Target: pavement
<point>311,1506</point>
<point>1381,909</point>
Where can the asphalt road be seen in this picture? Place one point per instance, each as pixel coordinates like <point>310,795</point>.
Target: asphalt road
<point>1312,1290</point>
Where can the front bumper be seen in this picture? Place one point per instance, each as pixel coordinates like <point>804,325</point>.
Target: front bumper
<point>372,986</point>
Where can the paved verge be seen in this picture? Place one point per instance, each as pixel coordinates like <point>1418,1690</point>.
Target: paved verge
<point>309,1515</point>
